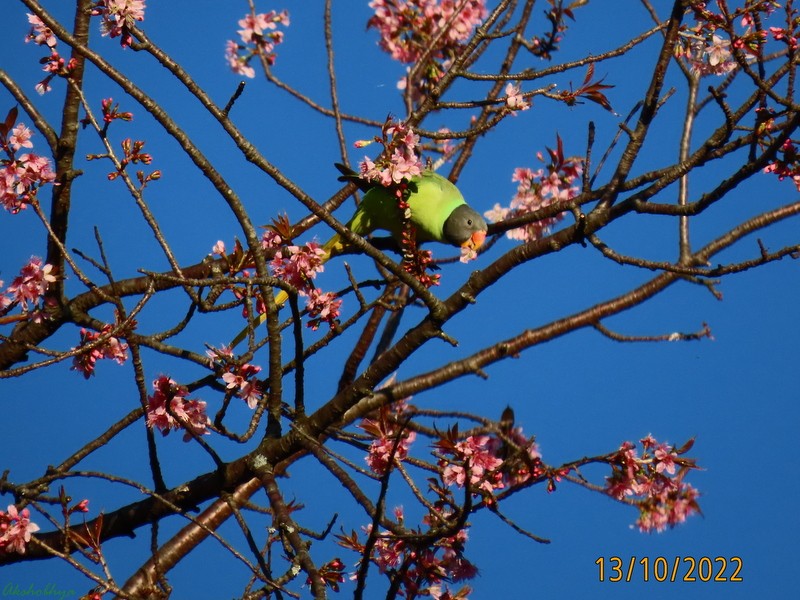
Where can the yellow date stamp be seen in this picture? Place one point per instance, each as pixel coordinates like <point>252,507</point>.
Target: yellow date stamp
<point>676,568</point>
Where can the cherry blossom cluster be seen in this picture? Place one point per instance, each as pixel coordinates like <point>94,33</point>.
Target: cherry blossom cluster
<point>28,288</point>
<point>708,46</point>
<point>298,266</point>
<point>706,55</point>
<point>259,34</point>
<point>655,481</point>
<point>787,165</point>
<point>424,571</point>
<point>429,30</point>
<point>391,441</point>
<point>169,408</point>
<point>473,463</point>
<point>21,175</point>
<point>241,379</point>
<point>16,529</point>
<point>110,348</point>
<point>399,160</point>
<point>488,462</point>
<point>538,189</point>
<point>119,17</point>
<point>41,35</point>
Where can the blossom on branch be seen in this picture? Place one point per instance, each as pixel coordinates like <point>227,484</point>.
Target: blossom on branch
<point>430,30</point>
<point>40,33</point>
<point>400,161</point>
<point>30,286</point>
<point>322,307</point>
<point>169,408</point>
<point>118,17</point>
<point>663,498</point>
<point>298,265</point>
<point>259,34</point>
<point>539,189</point>
<point>514,99</point>
<point>422,571</point>
<point>20,176</point>
<point>111,348</point>
<point>474,464</point>
<point>16,529</point>
<point>391,441</point>
<point>788,165</point>
<point>242,379</point>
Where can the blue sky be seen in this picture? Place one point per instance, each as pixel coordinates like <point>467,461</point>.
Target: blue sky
<point>582,394</point>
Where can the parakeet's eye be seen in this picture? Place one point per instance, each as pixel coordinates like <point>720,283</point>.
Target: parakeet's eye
<point>469,222</point>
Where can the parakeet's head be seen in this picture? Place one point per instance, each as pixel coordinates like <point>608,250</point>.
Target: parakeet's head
<point>465,228</point>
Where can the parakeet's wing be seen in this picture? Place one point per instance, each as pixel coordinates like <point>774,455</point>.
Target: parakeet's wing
<point>432,202</point>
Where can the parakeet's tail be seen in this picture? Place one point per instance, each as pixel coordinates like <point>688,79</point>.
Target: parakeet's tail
<point>349,175</point>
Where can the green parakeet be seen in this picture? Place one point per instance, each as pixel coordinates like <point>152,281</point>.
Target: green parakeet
<point>439,213</point>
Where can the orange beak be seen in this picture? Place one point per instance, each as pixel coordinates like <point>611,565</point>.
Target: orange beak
<point>475,241</point>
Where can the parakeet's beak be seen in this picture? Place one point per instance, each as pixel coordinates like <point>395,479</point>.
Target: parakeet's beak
<point>475,241</point>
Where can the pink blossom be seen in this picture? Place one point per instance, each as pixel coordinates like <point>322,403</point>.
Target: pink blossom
<point>241,378</point>
<point>712,58</point>
<point>514,99</point>
<point>20,137</point>
<point>468,254</point>
<point>188,414</point>
<point>111,349</point>
<point>665,459</point>
<point>32,283</point>
<point>258,28</point>
<point>221,354</point>
<point>718,51</point>
<point>788,165</point>
<point>40,33</point>
<point>406,26</point>
<point>384,428</point>
<point>670,506</point>
<point>20,179</point>
<point>260,35</point>
<point>779,33</point>
<point>298,265</point>
<point>481,463</point>
<point>322,307</point>
<point>663,500</point>
<point>238,64</point>
<point>437,29</point>
<point>271,239</point>
<point>119,16</point>
<point>380,451</point>
<point>538,189</point>
<point>403,164</point>
<point>16,529</point>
